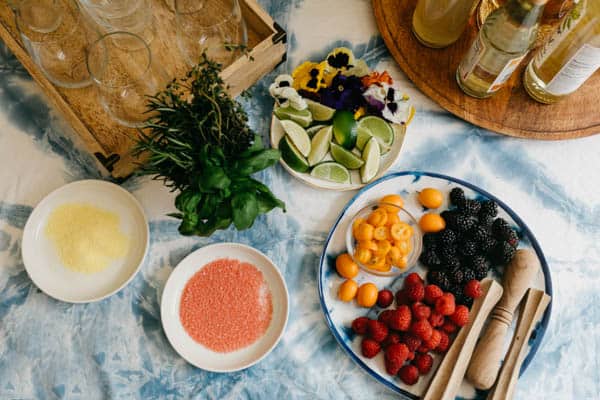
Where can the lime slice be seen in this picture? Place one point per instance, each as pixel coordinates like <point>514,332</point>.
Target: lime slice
<point>297,135</point>
<point>312,131</point>
<point>379,129</point>
<point>319,145</point>
<point>331,171</point>
<point>301,117</point>
<point>319,111</point>
<point>344,129</point>
<point>362,137</point>
<point>291,155</point>
<point>372,157</point>
<point>345,157</point>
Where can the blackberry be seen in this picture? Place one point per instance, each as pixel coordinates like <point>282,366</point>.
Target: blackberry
<point>468,275</point>
<point>453,262</point>
<point>447,252</point>
<point>429,240</point>
<point>478,263</point>
<point>447,237</point>
<point>502,253</point>
<point>478,233</point>
<point>449,217</point>
<point>501,229</point>
<point>438,278</point>
<point>487,245</point>
<point>479,275</point>
<point>489,208</point>
<point>486,221</point>
<point>430,258</point>
<point>457,196</point>
<point>470,207</point>
<point>444,282</point>
<point>460,223</point>
<point>466,301</point>
<point>456,276</point>
<point>468,248</point>
<point>457,291</point>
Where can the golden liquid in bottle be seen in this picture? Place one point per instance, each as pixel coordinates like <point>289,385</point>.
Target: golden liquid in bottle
<point>502,43</point>
<point>561,58</point>
<point>439,23</point>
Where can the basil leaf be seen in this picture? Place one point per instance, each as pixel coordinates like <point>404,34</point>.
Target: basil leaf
<point>258,161</point>
<point>257,145</point>
<point>245,210</point>
<point>213,177</point>
<point>187,201</point>
<point>188,224</point>
<point>208,206</point>
<point>267,202</point>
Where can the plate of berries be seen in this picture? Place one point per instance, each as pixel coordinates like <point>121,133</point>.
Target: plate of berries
<point>398,327</point>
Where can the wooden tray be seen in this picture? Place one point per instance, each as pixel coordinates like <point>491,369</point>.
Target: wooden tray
<point>110,142</point>
<point>511,111</point>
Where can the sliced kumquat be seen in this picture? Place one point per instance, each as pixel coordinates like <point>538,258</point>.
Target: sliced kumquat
<point>383,247</point>
<point>392,219</point>
<point>394,256</point>
<point>365,231</point>
<point>401,231</point>
<point>402,263</point>
<point>362,255</point>
<point>356,224</point>
<point>378,217</point>
<point>370,245</point>
<point>381,233</point>
<point>403,246</point>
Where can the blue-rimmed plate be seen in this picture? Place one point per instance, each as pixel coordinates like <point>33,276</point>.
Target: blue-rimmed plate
<point>339,315</point>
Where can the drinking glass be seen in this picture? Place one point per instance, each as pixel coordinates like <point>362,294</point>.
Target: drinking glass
<point>133,16</point>
<point>121,67</point>
<point>56,37</point>
<point>215,27</point>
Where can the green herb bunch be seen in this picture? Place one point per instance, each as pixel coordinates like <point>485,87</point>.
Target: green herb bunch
<point>198,142</point>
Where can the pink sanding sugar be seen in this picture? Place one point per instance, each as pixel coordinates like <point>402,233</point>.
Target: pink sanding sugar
<point>226,305</point>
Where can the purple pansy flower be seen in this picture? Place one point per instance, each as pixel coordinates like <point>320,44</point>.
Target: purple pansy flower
<point>345,93</point>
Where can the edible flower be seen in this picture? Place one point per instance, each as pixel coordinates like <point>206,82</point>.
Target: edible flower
<point>329,73</point>
<point>358,114</point>
<point>345,93</point>
<point>388,101</point>
<point>375,78</point>
<point>308,76</point>
<point>341,58</point>
<point>285,95</point>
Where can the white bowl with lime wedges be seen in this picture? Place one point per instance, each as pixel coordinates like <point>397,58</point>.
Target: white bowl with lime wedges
<point>337,149</point>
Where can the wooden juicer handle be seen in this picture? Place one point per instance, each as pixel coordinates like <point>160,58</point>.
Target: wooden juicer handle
<point>485,363</point>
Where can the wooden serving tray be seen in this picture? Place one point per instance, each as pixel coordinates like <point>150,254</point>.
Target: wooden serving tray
<point>110,142</point>
<point>511,111</point>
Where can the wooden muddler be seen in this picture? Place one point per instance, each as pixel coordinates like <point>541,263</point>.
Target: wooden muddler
<point>532,310</point>
<point>485,362</point>
<point>450,373</point>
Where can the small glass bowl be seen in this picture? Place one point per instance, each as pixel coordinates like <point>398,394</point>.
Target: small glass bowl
<point>416,239</point>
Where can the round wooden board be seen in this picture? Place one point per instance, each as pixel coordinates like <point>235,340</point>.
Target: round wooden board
<point>511,111</point>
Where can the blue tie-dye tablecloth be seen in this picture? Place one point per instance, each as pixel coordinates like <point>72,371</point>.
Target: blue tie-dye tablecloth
<point>116,349</point>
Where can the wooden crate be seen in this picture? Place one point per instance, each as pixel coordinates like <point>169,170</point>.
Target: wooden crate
<point>110,142</point>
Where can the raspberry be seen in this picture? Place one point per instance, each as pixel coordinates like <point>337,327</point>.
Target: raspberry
<point>421,329</point>
<point>385,298</point>
<point>473,289</point>
<point>400,318</point>
<point>385,317</point>
<point>423,349</point>
<point>401,298</point>
<point>457,196</point>
<point>432,292</point>
<point>420,311</point>
<point>434,340</point>
<point>411,356</point>
<point>370,348</point>
<point>449,327</point>
<point>412,279</point>
<point>445,305</point>
<point>436,319</point>
<point>444,343</point>
<point>377,330</point>
<point>415,292</point>
<point>411,341</point>
<point>393,338</point>
<point>395,356</point>
<point>461,316</point>
<point>423,362</point>
<point>359,325</point>
<point>409,374</point>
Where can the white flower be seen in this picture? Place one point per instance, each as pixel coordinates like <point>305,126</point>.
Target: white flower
<point>285,95</point>
<point>390,101</point>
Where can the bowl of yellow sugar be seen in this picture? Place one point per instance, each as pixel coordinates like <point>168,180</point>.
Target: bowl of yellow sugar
<point>85,241</point>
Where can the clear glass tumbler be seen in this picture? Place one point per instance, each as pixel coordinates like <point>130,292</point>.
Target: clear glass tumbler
<point>215,27</point>
<point>122,69</point>
<point>133,16</point>
<point>56,37</point>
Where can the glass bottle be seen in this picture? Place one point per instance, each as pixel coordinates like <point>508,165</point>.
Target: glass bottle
<point>439,23</point>
<point>504,40</point>
<point>569,58</point>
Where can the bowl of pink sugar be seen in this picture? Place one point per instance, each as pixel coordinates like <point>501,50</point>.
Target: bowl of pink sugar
<point>224,307</point>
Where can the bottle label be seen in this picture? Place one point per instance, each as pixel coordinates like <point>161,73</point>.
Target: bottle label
<point>472,58</point>
<point>576,71</point>
<point>506,73</point>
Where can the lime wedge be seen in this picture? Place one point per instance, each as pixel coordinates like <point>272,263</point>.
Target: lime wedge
<point>331,171</point>
<point>345,157</point>
<point>344,129</point>
<point>379,129</point>
<point>319,111</point>
<point>301,117</point>
<point>319,145</point>
<point>312,131</point>
<point>372,157</point>
<point>297,135</point>
<point>291,155</point>
<point>362,137</point>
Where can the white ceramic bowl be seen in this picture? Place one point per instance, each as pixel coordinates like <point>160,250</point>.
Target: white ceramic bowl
<point>194,352</point>
<point>41,259</point>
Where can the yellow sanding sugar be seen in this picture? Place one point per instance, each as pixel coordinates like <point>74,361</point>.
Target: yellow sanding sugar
<point>86,237</point>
